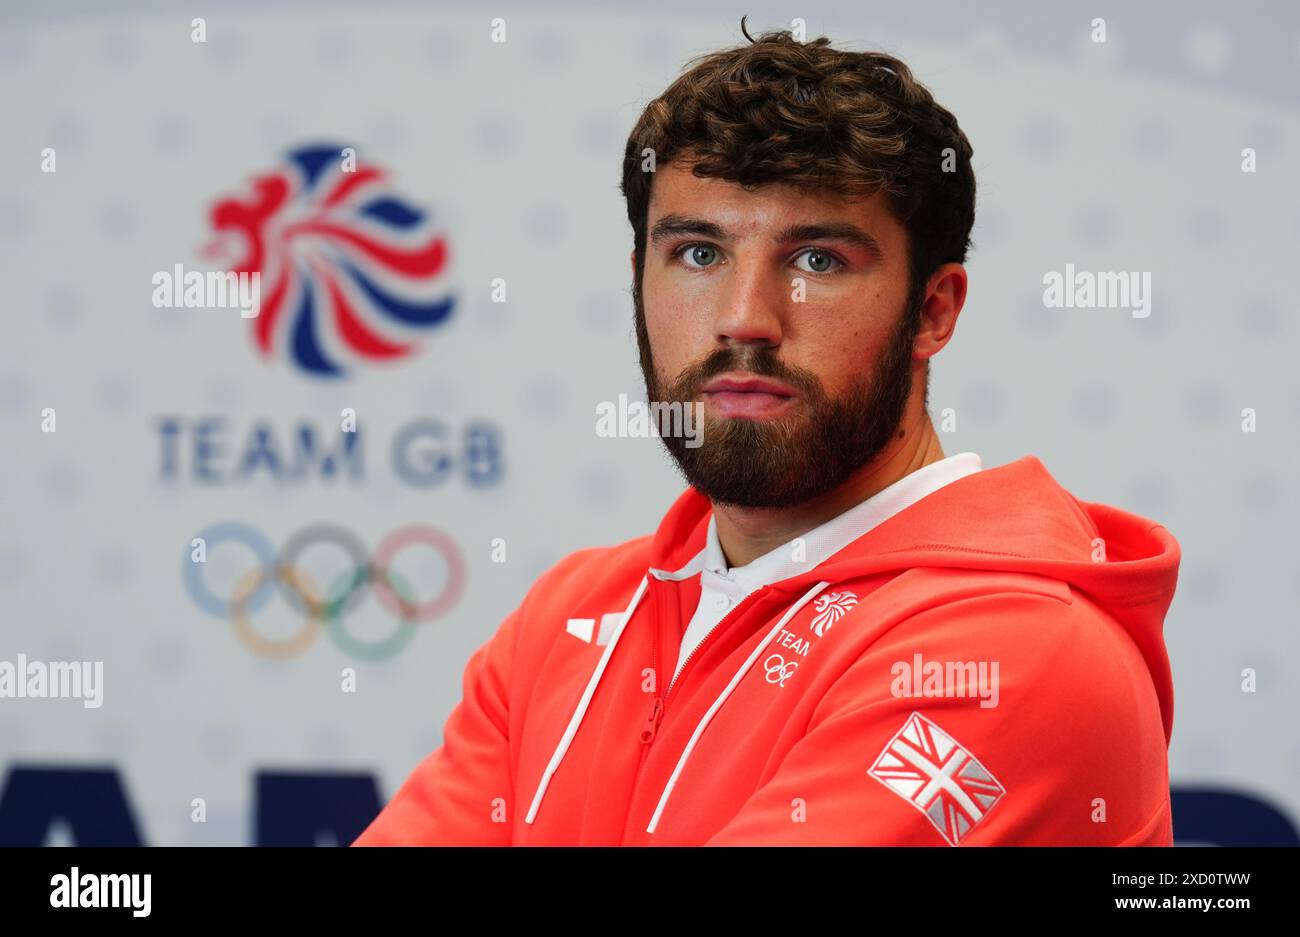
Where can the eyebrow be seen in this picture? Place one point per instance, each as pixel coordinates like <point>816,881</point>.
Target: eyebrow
<point>678,225</point>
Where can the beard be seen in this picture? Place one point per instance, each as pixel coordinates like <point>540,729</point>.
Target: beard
<point>800,455</point>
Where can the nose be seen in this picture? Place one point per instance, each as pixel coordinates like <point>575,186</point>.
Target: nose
<point>750,310</point>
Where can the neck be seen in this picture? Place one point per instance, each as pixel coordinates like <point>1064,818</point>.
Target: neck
<point>745,534</point>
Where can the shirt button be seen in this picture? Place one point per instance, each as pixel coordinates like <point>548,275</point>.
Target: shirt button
<point>721,602</point>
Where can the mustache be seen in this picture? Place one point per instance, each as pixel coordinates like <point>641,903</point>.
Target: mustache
<point>759,361</point>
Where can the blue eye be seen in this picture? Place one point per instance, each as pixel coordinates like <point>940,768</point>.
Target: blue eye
<point>704,254</point>
<point>701,256</point>
<point>824,257</point>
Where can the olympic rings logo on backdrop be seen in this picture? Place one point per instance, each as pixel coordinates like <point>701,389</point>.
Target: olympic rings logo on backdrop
<point>325,609</point>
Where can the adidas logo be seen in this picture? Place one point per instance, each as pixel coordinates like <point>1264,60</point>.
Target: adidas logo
<point>584,629</point>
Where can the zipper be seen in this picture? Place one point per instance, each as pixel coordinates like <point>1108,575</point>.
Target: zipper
<point>722,699</point>
<point>690,658</point>
<point>650,728</point>
<point>652,723</point>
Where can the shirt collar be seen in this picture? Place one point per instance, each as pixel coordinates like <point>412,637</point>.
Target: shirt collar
<point>831,537</point>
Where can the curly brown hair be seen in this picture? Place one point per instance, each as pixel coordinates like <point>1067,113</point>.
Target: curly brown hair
<point>803,113</point>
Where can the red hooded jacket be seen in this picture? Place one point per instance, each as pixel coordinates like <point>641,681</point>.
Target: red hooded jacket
<point>985,667</point>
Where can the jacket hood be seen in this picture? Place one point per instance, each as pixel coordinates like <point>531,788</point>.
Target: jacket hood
<point>1014,518</point>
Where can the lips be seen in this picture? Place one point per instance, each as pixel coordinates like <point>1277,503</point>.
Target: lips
<point>748,385</point>
<point>748,397</point>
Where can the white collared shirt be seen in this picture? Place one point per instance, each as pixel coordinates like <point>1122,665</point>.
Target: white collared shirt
<point>721,589</point>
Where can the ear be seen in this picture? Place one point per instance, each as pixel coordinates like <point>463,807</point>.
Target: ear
<point>944,298</point>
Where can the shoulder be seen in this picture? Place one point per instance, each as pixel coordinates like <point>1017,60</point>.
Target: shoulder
<point>1062,670</point>
<point>1037,627</point>
<point>1069,675</point>
<point>1051,694</point>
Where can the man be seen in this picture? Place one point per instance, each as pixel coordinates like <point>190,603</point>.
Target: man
<point>837,635</point>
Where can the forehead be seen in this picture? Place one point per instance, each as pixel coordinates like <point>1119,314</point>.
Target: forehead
<point>676,190</point>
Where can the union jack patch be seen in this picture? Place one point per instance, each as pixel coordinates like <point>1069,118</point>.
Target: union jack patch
<point>926,766</point>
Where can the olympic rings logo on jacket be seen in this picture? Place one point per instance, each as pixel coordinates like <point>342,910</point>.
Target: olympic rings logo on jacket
<point>324,610</point>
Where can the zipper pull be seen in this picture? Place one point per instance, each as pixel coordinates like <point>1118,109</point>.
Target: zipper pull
<point>651,725</point>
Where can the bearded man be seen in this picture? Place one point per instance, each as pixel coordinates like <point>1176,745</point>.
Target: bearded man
<point>837,635</point>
